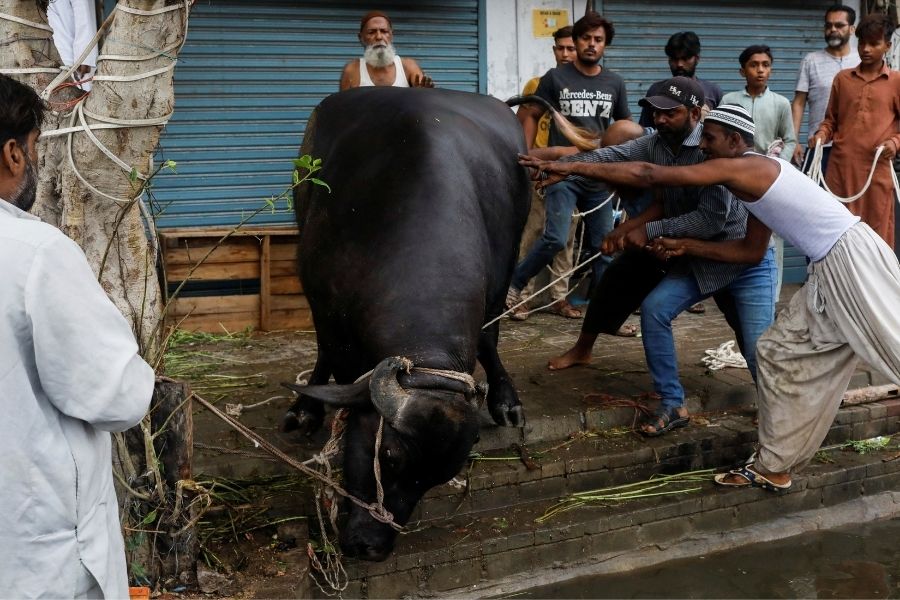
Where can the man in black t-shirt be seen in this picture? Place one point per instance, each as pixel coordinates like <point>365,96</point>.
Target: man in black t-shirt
<point>589,96</point>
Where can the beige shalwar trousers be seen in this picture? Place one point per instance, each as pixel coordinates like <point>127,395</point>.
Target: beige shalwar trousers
<point>846,311</point>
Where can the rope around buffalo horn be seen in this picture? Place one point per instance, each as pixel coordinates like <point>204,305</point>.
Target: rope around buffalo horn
<point>379,513</point>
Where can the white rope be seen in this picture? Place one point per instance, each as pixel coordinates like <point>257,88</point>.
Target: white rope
<point>21,21</point>
<point>136,76</point>
<point>565,275</point>
<point>107,123</point>
<point>724,356</point>
<point>546,287</point>
<point>140,58</point>
<point>815,173</point>
<point>30,70</point>
<point>151,13</point>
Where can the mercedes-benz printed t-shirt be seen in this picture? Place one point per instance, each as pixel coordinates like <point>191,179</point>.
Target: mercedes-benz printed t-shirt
<point>589,102</point>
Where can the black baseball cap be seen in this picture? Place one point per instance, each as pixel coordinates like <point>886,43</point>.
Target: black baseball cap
<point>677,91</point>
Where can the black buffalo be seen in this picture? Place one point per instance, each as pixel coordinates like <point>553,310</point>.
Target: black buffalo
<point>408,256</point>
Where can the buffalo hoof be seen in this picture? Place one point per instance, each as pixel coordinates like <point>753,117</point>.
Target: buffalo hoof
<point>508,416</point>
<point>304,422</point>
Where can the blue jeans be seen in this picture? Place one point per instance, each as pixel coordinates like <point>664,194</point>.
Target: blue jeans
<point>753,293</point>
<point>560,202</point>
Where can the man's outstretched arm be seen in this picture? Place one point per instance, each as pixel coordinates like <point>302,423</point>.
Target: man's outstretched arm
<point>634,174</point>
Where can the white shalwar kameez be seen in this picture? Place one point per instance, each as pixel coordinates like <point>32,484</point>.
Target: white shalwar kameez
<point>846,311</point>
<point>74,24</point>
<point>69,375</point>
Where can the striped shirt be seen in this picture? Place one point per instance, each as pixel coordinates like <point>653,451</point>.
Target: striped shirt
<point>706,213</point>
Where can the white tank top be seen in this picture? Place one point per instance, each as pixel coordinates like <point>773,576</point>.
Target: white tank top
<point>399,78</point>
<point>801,212</point>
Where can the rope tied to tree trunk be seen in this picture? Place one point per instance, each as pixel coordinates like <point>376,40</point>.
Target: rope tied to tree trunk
<point>26,22</point>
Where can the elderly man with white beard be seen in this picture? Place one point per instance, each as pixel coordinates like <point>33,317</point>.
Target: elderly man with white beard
<point>380,64</point>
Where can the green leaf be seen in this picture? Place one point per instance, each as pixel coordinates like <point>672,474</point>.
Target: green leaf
<point>320,182</point>
<point>171,165</point>
<point>133,176</point>
<point>150,518</point>
<point>296,177</point>
<point>304,162</point>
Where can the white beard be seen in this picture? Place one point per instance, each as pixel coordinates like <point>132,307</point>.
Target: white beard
<point>379,56</point>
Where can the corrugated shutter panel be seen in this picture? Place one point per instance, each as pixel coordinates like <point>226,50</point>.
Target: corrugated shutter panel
<point>725,27</point>
<point>249,77</point>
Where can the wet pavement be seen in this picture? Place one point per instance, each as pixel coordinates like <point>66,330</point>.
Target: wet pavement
<point>859,561</point>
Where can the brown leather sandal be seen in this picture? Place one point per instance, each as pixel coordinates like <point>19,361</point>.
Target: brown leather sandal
<point>564,309</point>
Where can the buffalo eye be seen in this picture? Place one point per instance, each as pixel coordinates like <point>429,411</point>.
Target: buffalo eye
<point>392,458</point>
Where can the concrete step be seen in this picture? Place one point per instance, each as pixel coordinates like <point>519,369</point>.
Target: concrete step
<point>595,458</point>
<point>460,540</point>
<point>461,555</point>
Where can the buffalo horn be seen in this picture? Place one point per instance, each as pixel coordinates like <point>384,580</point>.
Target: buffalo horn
<point>388,396</point>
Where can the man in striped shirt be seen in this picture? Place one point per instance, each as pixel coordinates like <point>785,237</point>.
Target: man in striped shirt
<point>745,292</point>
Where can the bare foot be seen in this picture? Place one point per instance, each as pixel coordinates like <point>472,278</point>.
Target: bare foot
<point>573,357</point>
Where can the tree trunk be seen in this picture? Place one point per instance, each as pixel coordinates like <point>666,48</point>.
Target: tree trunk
<point>30,47</point>
<point>112,233</point>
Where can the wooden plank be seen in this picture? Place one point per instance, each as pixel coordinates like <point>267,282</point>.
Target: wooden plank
<point>214,305</point>
<point>220,323</point>
<point>213,272</point>
<point>289,302</point>
<point>218,232</point>
<point>291,319</point>
<point>284,250</point>
<point>286,284</point>
<point>280,268</point>
<point>230,251</point>
<point>265,284</point>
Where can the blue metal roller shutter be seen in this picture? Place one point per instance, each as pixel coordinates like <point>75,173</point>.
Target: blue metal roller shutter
<point>252,72</point>
<point>725,27</point>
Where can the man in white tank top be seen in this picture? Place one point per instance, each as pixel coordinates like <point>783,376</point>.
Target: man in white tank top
<point>380,64</point>
<point>844,312</point>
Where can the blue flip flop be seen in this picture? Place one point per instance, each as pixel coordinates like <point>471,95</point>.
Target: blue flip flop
<point>751,479</point>
<point>670,420</point>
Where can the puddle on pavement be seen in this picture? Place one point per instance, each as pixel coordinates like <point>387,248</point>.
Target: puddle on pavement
<point>859,561</point>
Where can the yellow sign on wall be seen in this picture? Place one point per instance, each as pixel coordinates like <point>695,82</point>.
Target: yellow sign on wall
<point>547,20</point>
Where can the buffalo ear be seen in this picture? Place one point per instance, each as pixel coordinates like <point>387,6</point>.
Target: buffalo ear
<point>348,395</point>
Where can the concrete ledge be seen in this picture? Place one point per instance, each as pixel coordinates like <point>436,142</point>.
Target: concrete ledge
<point>505,551</point>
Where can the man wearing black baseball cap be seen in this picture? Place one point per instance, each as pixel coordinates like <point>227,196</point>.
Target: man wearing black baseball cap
<point>665,289</point>
<point>675,92</point>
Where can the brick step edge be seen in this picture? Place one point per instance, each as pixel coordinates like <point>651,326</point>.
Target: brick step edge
<point>728,441</point>
<point>456,566</point>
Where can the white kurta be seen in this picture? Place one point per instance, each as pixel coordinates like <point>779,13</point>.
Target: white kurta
<point>69,374</point>
<point>74,24</point>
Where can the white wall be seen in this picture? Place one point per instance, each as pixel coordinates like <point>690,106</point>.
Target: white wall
<point>514,55</point>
